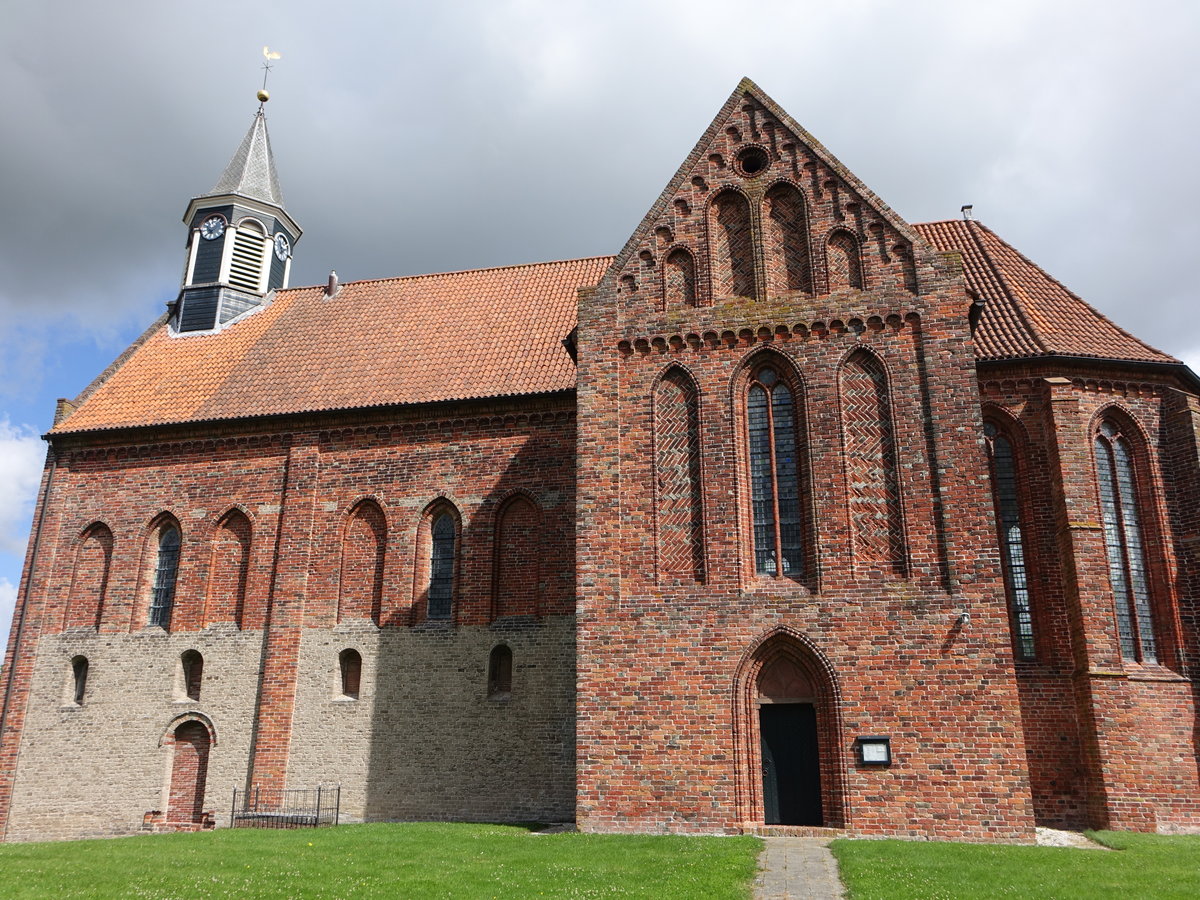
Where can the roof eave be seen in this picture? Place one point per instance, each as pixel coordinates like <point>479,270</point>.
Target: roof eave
<point>267,419</point>
<point>1179,369</point>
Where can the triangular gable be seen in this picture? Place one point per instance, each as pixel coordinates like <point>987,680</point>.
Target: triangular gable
<point>751,129</point>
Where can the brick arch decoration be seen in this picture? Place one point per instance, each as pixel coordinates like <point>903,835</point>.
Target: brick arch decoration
<point>731,245</point>
<point>843,261</point>
<point>228,568</point>
<point>795,647</point>
<point>517,579</point>
<point>785,240</point>
<point>191,737</point>
<point>364,544</point>
<point>873,496</point>
<point>678,478</point>
<point>789,374</point>
<point>679,279</point>
<point>89,579</point>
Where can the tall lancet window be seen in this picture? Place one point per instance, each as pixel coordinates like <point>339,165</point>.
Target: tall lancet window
<point>1012,537</point>
<point>441,567</point>
<point>774,476</point>
<point>165,571</point>
<point>1123,540</point>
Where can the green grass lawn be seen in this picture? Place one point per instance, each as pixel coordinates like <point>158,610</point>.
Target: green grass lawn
<point>1146,866</point>
<point>402,861</point>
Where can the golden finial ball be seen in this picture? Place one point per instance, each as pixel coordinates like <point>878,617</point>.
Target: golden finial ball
<point>263,96</point>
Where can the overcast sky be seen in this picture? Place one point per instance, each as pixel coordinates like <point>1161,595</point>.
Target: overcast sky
<point>413,137</point>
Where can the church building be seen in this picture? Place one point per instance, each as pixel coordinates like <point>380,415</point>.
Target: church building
<point>791,515</point>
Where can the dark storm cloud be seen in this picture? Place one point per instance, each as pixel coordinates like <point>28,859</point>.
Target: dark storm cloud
<point>415,139</point>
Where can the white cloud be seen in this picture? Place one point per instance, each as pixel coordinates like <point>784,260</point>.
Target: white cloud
<point>22,454</point>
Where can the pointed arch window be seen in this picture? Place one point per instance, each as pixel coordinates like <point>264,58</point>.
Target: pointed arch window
<point>443,538</point>
<point>1123,542</point>
<point>1011,532</point>
<point>774,456</point>
<point>166,570</point>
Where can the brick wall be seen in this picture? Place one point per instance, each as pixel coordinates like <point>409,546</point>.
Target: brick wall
<point>266,515</point>
<point>667,731</point>
<point>1110,741</point>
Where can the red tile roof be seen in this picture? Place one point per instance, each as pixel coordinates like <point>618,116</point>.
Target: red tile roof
<point>498,332</point>
<point>455,336</point>
<point>1028,312</point>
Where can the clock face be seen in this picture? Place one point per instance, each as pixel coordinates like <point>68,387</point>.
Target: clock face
<point>212,228</point>
<point>281,246</point>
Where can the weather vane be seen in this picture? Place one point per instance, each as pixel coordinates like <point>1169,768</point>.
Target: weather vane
<point>268,55</point>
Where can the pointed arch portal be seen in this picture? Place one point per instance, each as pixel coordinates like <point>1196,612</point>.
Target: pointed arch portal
<point>790,766</point>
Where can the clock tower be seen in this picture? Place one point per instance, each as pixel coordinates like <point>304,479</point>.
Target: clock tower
<point>240,239</point>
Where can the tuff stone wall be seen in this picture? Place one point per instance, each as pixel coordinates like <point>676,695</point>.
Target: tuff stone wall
<point>98,768</point>
<point>424,740</point>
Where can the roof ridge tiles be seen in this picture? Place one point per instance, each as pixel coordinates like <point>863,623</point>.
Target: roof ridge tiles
<point>424,275</point>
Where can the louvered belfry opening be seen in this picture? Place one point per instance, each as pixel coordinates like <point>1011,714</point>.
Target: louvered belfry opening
<point>246,264</point>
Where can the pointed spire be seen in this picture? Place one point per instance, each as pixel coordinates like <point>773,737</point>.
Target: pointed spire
<point>251,171</point>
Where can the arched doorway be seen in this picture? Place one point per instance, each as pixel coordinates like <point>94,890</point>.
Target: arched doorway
<point>789,745</point>
<point>189,773</point>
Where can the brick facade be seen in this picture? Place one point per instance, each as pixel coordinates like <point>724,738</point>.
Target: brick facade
<point>768,486</point>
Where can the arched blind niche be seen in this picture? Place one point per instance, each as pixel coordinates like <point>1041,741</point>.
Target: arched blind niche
<point>873,489</point>
<point>679,503</point>
<point>785,241</point>
<point>731,246</point>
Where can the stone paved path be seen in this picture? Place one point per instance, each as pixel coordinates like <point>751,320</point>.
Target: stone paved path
<point>797,868</point>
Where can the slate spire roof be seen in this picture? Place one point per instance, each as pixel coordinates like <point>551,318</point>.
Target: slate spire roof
<point>251,171</point>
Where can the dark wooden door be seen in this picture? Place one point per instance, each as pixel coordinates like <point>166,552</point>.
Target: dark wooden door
<point>791,769</point>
